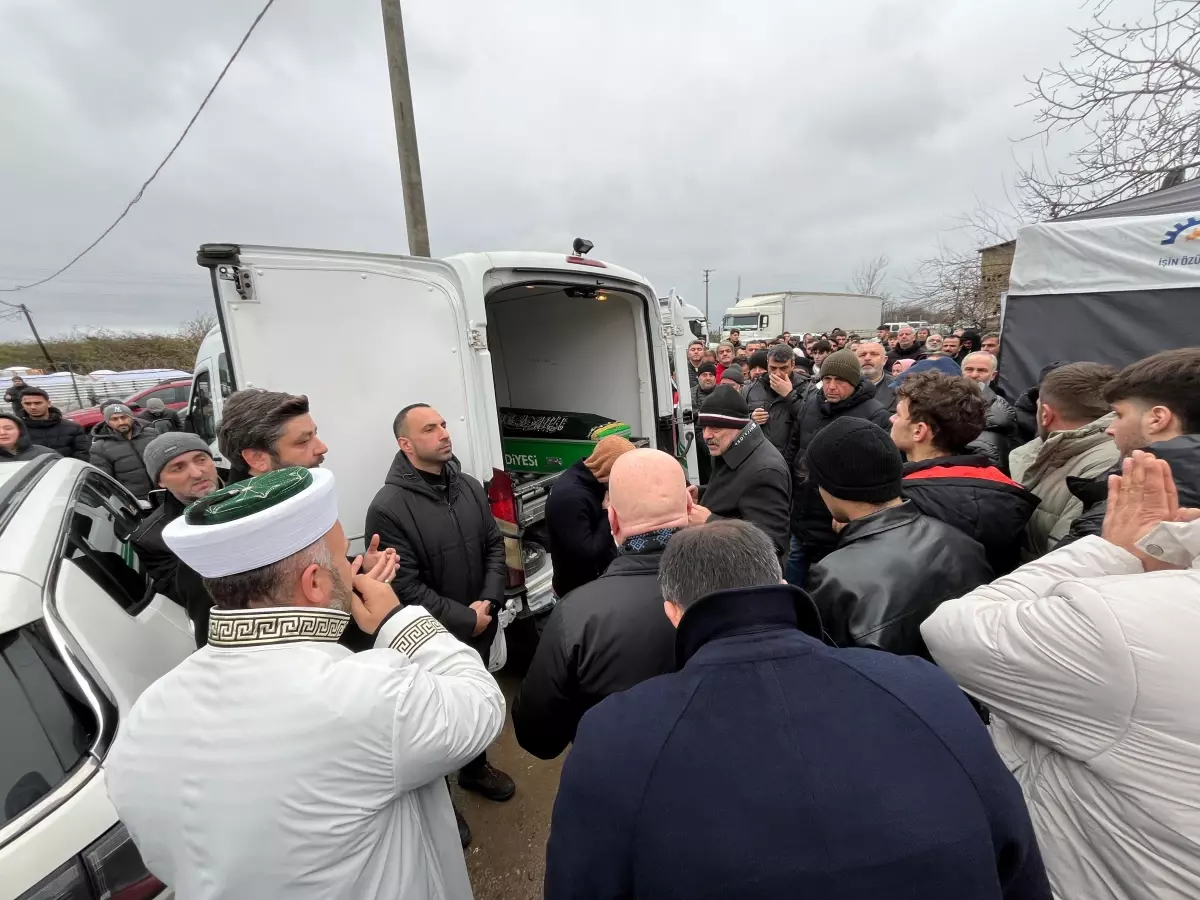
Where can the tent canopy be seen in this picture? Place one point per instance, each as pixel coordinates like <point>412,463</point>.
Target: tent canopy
<point>1112,285</point>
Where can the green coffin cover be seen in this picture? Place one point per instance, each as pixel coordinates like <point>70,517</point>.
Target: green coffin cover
<point>545,441</point>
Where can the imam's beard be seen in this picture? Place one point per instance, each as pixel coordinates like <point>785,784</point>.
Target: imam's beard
<point>343,594</point>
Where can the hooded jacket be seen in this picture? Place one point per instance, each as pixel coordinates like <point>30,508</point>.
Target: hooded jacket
<point>890,570</point>
<point>581,541</point>
<point>122,458</point>
<point>977,499</point>
<point>1044,467</point>
<point>750,481</point>
<point>915,352</point>
<point>757,771</point>
<point>810,519</point>
<point>24,449</point>
<point>782,412</point>
<point>63,436</point>
<point>161,420</point>
<point>1183,455</point>
<point>1089,667</point>
<point>451,551</point>
<point>601,639</point>
<point>1000,433</point>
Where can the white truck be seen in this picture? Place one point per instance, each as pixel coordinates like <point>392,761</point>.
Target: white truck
<point>364,335</point>
<point>762,317</point>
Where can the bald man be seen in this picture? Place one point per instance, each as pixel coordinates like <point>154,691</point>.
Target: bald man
<point>609,634</point>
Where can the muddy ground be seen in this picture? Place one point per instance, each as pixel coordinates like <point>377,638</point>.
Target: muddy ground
<point>507,858</point>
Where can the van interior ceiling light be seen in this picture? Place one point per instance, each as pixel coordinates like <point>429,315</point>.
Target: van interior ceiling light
<point>582,246</point>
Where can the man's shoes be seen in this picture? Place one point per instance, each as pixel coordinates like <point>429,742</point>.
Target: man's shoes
<point>488,781</point>
<point>464,830</point>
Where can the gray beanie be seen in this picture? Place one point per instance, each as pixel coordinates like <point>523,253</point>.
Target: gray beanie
<point>117,409</point>
<point>155,405</point>
<point>166,447</point>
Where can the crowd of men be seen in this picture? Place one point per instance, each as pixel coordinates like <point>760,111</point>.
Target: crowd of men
<point>910,636</point>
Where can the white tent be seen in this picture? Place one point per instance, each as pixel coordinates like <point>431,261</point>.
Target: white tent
<point>1111,285</point>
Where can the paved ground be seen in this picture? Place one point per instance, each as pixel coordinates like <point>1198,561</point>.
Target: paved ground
<point>507,858</point>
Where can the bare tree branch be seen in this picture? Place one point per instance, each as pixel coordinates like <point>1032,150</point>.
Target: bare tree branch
<point>1131,93</point>
<point>870,277</point>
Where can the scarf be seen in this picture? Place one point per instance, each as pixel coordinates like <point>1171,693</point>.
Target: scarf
<point>651,542</point>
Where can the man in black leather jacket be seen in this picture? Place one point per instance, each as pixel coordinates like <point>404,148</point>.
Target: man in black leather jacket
<point>893,566</point>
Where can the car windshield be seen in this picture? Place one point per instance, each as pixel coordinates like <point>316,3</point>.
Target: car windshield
<point>48,724</point>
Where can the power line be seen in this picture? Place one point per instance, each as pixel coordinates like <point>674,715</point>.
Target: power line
<point>138,196</point>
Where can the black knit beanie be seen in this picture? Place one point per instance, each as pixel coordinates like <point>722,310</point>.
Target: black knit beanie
<point>724,408</point>
<point>759,359</point>
<point>853,459</point>
<point>734,373</point>
<point>710,368</point>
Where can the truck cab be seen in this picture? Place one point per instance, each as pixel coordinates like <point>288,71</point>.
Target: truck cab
<point>364,335</point>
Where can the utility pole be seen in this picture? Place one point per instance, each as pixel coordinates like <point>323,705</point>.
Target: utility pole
<point>406,130</point>
<point>738,295</point>
<point>707,317</point>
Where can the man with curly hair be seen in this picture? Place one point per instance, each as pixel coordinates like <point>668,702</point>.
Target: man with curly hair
<point>937,417</point>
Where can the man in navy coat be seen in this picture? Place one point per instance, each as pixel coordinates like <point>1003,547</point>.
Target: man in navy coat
<point>773,766</point>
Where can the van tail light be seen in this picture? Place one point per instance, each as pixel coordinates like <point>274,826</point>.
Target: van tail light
<point>504,508</point>
<point>584,261</point>
<point>110,869</point>
<point>501,497</point>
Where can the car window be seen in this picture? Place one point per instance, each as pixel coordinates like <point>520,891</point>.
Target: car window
<point>201,411</point>
<point>101,522</point>
<point>48,725</point>
<point>166,395</point>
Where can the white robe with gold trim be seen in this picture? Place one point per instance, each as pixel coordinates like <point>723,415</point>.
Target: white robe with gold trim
<point>274,763</point>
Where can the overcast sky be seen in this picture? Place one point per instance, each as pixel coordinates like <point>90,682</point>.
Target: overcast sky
<point>782,141</point>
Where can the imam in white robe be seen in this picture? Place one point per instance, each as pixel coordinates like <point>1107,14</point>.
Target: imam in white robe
<point>275,763</point>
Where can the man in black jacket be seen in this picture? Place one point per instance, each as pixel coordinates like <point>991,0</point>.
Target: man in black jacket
<point>581,545</point>
<point>906,346</point>
<point>451,553</point>
<point>842,394</point>
<point>776,397</point>
<point>893,565</point>
<point>48,428</point>
<point>609,634</point>
<point>938,419</point>
<point>182,464</point>
<point>872,359</point>
<point>750,479</point>
<point>118,445</point>
<point>695,355</point>
<point>1157,402</point>
<point>12,396</point>
<point>999,435</point>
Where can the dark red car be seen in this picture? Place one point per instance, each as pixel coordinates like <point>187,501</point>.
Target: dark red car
<point>173,394</point>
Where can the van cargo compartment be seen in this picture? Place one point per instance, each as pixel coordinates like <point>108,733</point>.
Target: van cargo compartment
<point>547,441</point>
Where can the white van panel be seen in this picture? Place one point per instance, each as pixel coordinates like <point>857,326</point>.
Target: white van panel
<point>362,337</point>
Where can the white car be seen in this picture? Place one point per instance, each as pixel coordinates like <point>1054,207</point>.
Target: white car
<point>82,634</point>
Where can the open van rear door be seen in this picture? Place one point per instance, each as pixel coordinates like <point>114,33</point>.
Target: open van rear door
<point>685,436</point>
<point>344,329</point>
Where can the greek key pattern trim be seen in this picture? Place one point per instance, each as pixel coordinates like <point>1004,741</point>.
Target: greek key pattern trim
<point>416,633</point>
<point>261,627</point>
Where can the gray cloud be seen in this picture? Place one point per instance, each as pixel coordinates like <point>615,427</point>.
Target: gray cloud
<point>781,142</point>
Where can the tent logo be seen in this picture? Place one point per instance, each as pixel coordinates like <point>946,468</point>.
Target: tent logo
<point>1189,230</point>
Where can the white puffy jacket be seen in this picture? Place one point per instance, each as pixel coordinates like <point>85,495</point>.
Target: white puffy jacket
<point>1091,668</point>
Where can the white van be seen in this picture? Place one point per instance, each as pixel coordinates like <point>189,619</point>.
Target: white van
<point>364,335</point>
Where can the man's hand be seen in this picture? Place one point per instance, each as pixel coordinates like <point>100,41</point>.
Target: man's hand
<point>371,601</point>
<point>483,616</point>
<point>1141,497</point>
<point>699,515</point>
<point>371,557</point>
<point>781,384</point>
<point>694,493</point>
<point>385,566</point>
<point>760,416</point>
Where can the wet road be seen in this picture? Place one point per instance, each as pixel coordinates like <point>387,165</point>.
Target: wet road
<point>507,857</point>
